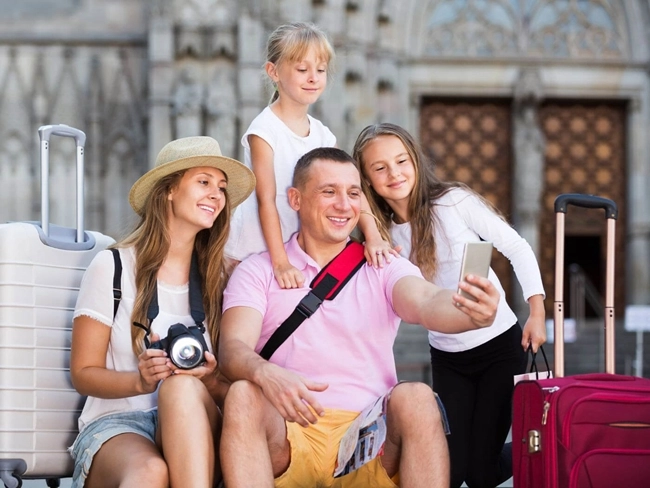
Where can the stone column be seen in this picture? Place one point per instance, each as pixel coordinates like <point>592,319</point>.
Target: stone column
<point>638,205</point>
<point>161,73</point>
<point>528,150</point>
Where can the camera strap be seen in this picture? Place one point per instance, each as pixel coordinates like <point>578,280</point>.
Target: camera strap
<point>325,286</point>
<point>196,299</point>
<point>196,296</point>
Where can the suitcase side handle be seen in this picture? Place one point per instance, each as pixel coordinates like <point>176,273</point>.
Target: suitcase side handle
<point>44,133</point>
<point>586,201</point>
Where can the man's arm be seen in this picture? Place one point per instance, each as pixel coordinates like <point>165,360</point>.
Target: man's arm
<point>289,393</point>
<point>419,302</point>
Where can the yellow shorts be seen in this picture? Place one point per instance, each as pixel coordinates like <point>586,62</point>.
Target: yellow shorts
<point>314,450</point>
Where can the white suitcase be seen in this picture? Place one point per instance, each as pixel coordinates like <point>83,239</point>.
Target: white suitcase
<point>41,266</point>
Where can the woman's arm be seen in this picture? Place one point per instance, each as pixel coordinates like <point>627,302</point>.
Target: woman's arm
<point>262,160</point>
<point>534,333</point>
<point>90,339</point>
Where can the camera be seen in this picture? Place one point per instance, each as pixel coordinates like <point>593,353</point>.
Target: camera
<point>184,345</point>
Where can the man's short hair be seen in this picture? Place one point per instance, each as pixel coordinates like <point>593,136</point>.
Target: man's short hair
<point>301,172</point>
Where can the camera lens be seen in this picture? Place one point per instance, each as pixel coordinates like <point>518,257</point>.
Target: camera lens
<point>186,352</point>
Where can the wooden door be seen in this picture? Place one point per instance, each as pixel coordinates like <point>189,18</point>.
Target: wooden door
<point>585,153</point>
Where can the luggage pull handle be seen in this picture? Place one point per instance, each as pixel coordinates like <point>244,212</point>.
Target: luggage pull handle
<point>586,201</point>
<point>44,133</point>
<point>611,214</point>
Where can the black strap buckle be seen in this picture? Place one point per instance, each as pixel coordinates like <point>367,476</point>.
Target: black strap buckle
<point>309,304</point>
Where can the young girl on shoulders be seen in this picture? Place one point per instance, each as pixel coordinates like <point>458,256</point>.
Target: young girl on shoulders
<point>472,371</point>
<point>298,59</point>
<point>151,418</point>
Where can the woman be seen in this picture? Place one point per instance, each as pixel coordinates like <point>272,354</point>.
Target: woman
<point>147,422</point>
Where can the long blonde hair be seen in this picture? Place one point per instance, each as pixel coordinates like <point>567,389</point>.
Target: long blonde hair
<point>290,42</point>
<point>151,241</point>
<point>422,199</point>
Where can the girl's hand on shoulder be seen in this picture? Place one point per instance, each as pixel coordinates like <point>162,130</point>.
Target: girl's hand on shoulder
<point>377,252</point>
<point>153,367</point>
<point>287,276</point>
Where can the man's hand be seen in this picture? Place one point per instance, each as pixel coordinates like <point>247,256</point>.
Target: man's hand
<point>291,394</point>
<point>484,309</point>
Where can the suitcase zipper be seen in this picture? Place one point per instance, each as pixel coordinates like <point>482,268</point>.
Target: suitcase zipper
<point>550,446</point>
<point>547,405</point>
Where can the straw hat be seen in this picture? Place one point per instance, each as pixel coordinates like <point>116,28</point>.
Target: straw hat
<point>192,152</point>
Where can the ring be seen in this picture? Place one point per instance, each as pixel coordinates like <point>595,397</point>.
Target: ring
<point>380,252</point>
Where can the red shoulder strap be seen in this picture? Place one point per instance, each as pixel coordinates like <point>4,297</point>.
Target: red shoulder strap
<point>325,286</point>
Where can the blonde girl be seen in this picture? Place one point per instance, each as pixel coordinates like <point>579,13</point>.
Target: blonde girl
<point>472,371</point>
<point>298,61</point>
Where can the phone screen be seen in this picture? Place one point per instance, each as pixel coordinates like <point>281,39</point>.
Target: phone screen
<point>476,261</point>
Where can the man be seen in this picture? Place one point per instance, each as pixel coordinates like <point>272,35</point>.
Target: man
<point>283,418</point>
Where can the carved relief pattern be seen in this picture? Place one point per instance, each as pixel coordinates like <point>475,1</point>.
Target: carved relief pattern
<point>539,28</point>
<point>470,142</point>
<point>100,90</point>
<point>204,12</point>
<point>584,154</point>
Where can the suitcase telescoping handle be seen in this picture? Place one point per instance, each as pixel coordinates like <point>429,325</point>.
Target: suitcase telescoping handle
<point>44,133</point>
<point>611,214</point>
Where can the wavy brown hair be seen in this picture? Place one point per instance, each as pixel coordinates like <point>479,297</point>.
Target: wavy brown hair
<point>422,199</point>
<point>151,241</point>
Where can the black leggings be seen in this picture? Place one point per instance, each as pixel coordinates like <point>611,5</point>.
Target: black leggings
<point>476,389</point>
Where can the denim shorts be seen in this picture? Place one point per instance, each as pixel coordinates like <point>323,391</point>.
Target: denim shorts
<point>93,436</point>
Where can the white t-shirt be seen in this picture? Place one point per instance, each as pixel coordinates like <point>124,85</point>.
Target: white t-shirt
<point>246,236</point>
<point>462,217</point>
<point>95,300</point>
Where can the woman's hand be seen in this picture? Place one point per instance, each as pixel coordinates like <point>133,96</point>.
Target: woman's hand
<point>153,366</point>
<point>206,372</point>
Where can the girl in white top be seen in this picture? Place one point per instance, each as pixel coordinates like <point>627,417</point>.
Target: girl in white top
<point>472,371</point>
<point>298,59</point>
<point>146,422</point>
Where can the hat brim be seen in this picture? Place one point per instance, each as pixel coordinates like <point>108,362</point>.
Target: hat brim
<point>241,180</point>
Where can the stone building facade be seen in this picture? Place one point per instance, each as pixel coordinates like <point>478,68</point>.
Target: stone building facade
<point>521,99</point>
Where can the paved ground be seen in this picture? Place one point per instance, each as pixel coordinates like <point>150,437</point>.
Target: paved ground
<point>66,484</point>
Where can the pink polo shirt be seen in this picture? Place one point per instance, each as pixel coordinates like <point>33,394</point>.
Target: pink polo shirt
<point>347,343</point>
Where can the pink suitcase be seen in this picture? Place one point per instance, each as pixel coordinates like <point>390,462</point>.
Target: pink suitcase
<point>583,431</point>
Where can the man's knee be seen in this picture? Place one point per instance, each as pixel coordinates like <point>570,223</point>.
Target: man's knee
<point>414,400</point>
<point>244,400</point>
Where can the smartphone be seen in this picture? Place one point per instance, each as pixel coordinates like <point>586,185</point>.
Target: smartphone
<point>476,261</point>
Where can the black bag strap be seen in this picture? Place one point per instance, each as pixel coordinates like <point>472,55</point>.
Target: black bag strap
<point>533,364</point>
<point>117,281</point>
<point>325,286</point>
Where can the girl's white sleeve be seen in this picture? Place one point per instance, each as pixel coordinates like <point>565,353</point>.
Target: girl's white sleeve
<point>490,227</point>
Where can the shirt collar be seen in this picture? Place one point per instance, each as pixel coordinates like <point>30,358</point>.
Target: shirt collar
<point>299,258</point>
